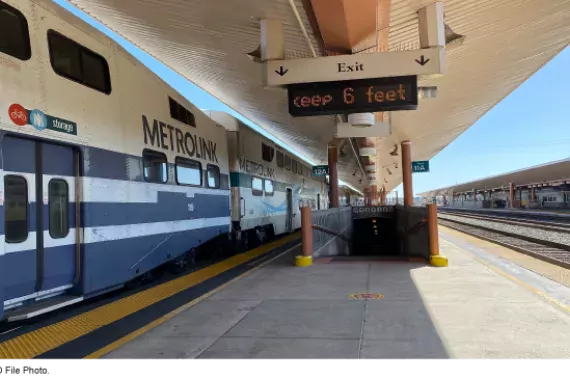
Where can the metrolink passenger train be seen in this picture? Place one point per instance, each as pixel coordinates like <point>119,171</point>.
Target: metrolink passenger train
<point>108,173</point>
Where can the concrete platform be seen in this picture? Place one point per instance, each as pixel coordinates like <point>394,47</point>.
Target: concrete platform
<point>481,306</point>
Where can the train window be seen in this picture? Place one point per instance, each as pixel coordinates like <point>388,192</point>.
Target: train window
<point>213,173</point>
<point>188,172</point>
<point>14,34</point>
<point>77,63</point>
<point>267,152</point>
<point>294,166</point>
<point>58,208</point>
<point>269,187</point>
<point>95,71</point>
<point>256,186</point>
<point>300,168</point>
<point>15,209</point>
<point>155,167</point>
<point>178,112</point>
<point>280,159</point>
<point>287,162</point>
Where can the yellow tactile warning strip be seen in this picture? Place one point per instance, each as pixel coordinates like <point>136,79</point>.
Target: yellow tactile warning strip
<point>157,322</point>
<point>546,269</point>
<point>49,337</point>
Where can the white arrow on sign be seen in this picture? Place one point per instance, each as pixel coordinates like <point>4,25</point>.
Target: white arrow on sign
<point>358,66</point>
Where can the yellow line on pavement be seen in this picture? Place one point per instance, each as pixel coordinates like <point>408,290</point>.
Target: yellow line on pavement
<point>47,338</point>
<point>157,322</point>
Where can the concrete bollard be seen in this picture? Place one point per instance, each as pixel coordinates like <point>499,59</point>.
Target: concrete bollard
<point>306,259</point>
<point>435,258</point>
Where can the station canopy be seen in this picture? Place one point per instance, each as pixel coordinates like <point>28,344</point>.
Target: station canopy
<point>555,173</point>
<point>207,41</point>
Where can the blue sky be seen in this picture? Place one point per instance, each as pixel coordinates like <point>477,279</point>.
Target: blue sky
<point>529,127</point>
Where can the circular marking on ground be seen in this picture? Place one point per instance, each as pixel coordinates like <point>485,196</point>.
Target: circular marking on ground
<point>366,296</point>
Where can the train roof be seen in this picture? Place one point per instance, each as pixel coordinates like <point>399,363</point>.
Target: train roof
<point>552,173</point>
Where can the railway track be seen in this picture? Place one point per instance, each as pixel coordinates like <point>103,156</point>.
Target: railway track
<point>552,252</point>
<point>550,219</point>
<point>515,220</point>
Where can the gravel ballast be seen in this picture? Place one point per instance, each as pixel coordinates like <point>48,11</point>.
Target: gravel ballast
<point>537,233</point>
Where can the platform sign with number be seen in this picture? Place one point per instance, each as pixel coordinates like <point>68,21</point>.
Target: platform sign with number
<point>420,166</point>
<point>321,170</point>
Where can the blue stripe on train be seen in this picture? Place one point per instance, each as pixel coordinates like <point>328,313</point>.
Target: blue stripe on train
<point>104,264</point>
<point>102,163</point>
<point>110,263</point>
<point>19,277</point>
<point>96,162</point>
<point>170,207</point>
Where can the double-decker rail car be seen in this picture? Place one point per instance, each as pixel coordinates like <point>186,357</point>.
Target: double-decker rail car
<point>106,171</point>
<point>268,184</point>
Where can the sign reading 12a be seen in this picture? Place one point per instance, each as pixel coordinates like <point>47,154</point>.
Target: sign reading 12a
<point>321,170</point>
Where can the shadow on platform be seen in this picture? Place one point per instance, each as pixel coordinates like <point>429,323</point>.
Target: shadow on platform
<point>283,311</point>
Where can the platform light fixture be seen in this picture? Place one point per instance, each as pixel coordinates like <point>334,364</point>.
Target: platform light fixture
<point>452,39</point>
<point>255,55</point>
<point>361,120</point>
<point>427,92</point>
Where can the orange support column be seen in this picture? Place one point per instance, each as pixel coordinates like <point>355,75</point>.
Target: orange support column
<point>407,173</point>
<point>307,235</point>
<point>435,258</point>
<point>333,174</point>
<point>373,195</point>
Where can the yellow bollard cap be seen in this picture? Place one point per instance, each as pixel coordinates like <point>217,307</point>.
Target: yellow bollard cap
<point>303,261</point>
<point>438,261</point>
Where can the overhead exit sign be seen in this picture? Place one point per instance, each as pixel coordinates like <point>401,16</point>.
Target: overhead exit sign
<point>430,61</point>
<point>420,166</point>
<point>366,95</point>
<point>321,170</point>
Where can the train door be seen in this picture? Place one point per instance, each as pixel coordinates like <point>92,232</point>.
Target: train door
<point>289,216</point>
<point>39,218</point>
<point>318,201</point>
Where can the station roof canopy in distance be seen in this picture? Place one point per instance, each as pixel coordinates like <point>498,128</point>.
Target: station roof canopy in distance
<point>550,174</point>
<point>207,41</point>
